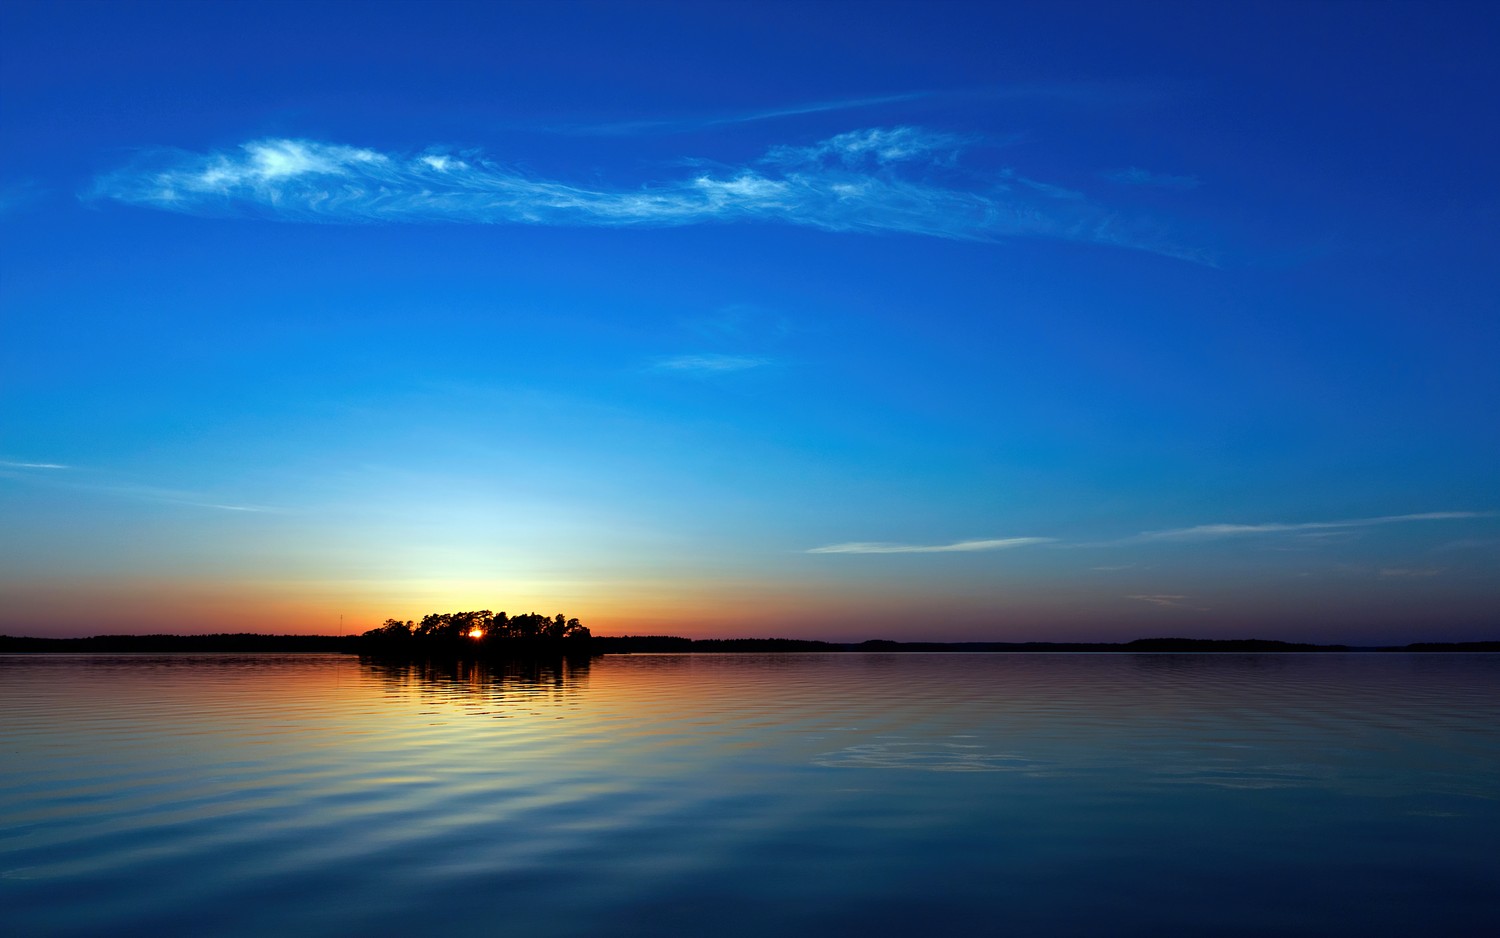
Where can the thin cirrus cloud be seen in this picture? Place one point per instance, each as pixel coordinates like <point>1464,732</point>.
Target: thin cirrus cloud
<point>707,364</point>
<point>1111,94</point>
<point>69,481</point>
<point>880,180</point>
<point>687,125</point>
<point>1204,532</point>
<point>174,497</point>
<point>877,547</point>
<point>1198,533</point>
<point>1175,600</point>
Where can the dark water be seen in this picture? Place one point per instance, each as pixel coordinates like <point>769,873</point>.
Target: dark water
<point>1029,795</point>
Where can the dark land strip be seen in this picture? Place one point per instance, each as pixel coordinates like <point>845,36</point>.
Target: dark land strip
<point>655,644</point>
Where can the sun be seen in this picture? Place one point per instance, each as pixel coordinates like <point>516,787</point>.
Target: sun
<point>476,632</point>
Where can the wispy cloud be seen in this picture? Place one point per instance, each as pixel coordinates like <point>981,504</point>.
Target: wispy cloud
<point>880,180</point>
<point>1410,572</point>
<point>875,147</point>
<point>1135,176</point>
<point>90,482</point>
<point>1198,533</point>
<point>1112,94</point>
<point>165,496</point>
<point>1204,532</point>
<point>741,323</point>
<point>875,547</point>
<point>1174,600</point>
<point>1159,599</point>
<point>708,363</point>
<point>691,124</point>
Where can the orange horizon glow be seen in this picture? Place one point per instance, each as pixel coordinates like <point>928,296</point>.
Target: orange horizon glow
<point>707,608</point>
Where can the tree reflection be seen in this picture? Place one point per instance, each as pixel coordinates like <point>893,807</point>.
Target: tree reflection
<point>479,675</point>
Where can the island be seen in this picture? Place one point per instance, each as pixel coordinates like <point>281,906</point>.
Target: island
<point>478,633</point>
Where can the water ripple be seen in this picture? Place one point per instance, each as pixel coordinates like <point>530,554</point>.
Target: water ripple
<point>646,795</point>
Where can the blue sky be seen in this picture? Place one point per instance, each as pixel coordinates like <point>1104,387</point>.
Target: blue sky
<point>829,320</point>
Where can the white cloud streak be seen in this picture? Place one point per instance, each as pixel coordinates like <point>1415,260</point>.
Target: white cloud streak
<point>13,470</point>
<point>878,146</point>
<point>1198,533</point>
<point>1173,600</point>
<point>708,363</point>
<point>1112,94</point>
<point>875,547</point>
<point>880,180</point>
<point>1207,532</point>
<point>171,497</point>
<point>688,125</point>
<point>1159,599</point>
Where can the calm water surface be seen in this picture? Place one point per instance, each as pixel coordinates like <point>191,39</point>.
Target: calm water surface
<point>1042,795</point>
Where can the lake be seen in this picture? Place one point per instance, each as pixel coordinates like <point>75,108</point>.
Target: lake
<point>1022,794</point>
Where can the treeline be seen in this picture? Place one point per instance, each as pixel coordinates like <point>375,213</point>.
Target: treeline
<point>657,644</point>
<point>223,642</point>
<point>667,643</point>
<point>453,635</point>
<point>478,631</point>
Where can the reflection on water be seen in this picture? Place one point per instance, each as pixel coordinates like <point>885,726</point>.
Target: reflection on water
<point>736,794</point>
<point>482,678</point>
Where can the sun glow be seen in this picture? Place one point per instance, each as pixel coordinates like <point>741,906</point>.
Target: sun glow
<point>476,632</point>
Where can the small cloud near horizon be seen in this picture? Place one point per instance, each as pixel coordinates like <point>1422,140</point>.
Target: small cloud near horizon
<point>11,464</point>
<point>877,547</point>
<point>1174,600</point>
<point>1216,531</point>
<point>1197,533</point>
<point>130,490</point>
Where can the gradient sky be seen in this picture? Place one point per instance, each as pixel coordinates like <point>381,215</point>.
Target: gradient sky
<point>914,321</point>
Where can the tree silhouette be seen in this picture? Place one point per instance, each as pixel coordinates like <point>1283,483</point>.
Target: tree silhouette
<point>479,631</point>
<point>391,629</point>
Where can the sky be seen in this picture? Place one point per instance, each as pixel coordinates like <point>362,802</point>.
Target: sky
<point>1023,321</point>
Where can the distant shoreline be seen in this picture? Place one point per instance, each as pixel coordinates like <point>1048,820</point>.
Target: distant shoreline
<point>656,644</point>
